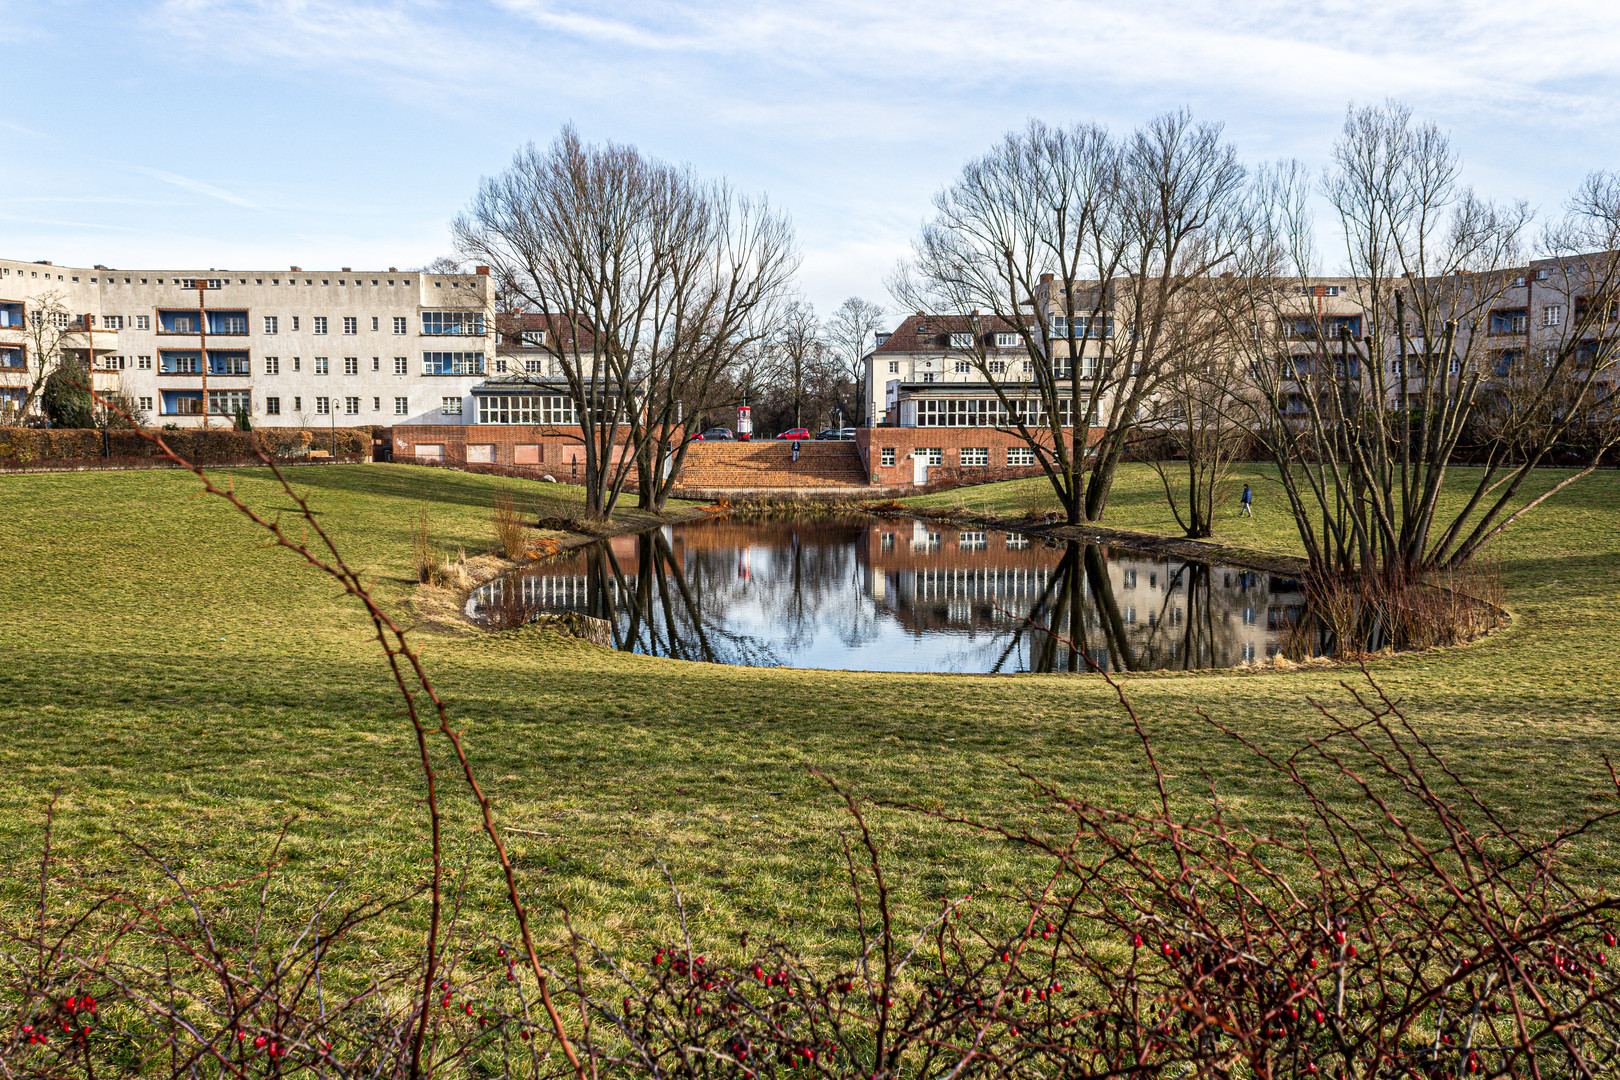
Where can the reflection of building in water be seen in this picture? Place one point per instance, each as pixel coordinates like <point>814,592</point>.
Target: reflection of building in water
<point>976,599</point>
<point>1165,612</point>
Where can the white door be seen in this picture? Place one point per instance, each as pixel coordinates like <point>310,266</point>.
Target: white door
<point>919,469</point>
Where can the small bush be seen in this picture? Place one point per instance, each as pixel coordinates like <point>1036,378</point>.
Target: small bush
<point>508,524</point>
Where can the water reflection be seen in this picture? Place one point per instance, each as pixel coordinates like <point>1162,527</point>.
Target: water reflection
<point>891,596</point>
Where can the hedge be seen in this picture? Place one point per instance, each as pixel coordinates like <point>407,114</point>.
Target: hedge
<point>34,446</point>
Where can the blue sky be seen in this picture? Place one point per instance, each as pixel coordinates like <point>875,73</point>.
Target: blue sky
<point>264,133</point>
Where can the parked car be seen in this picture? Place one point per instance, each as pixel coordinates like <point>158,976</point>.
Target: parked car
<point>795,433</point>
<point>717,434</point>
<point>828,433</point>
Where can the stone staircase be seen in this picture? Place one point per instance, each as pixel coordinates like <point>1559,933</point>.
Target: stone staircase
<point>768,465</point>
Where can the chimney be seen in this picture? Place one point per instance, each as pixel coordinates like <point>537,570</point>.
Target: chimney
<point>347,269</point>
<point>481,270</point>
<point>296,269</point>
<point>1046,278</point>
<point>974,314</point>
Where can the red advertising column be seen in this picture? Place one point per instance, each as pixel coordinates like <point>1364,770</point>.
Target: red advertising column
<point>745,423</point>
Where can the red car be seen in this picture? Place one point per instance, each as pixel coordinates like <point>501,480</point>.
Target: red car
<point>796,433</point>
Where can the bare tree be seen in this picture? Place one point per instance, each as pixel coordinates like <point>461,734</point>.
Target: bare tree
<point>802,350</point>
<point>664,279</point>
<point>1194,420</point>
<point>47,324</point>
<point>1368,399</point>
<point>852,334</point>
<point>1082,245</point>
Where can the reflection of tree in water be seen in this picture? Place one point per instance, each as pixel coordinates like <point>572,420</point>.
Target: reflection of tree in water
<point>769,593</point>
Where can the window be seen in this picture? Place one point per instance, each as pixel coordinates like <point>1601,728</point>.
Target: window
<point>452,363</point>
<point>1029,367</point>
<point>453,322</point>
<point>894,367</point>
<point>351,406</point>
<point>1006,341</point>
<point>933,455</point>
<point>973,540</point>
<point>1248,616</point>
<point>1319,290</point>
<point>963,367</point>
<point>298,404</point>
<point>376,404</point>
<point>146,403</point>
<point>401,324</point>
<point>1020,455</point>
<point>271,326</point>
<point>295,322</point>
<point>532,338</point>
<point>272,365</point>
<point>527,409</point>
<point>1017,542</point>
<point>1128,580</point>
<point>886,456</point>
<point>500,367</point>
<point>351,365</point>
<point>323,406</point>
<point>229,402</point>
<point>322,365</point>
<point>143,322</point>
<point>144,363</point>
<point>113,322</point>
<point>930,376</point>
<point>298,365</point>
<point>272,406</point>
<point>961,341</point>
<point>887,542</point>
<point>376,363</point>
<point>534,367</point>
<point>351,325</point>
<point>998,367</point>
<point>319,324</point>
<point>401,406</point>
<point>1552,315</point>
<point>402,365</point>
<point>450,406</point>
<point>975,455</point>
<point>227,363</point>
<point>374,323</point>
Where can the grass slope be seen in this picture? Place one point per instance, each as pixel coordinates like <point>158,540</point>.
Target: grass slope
<point>181,682</point>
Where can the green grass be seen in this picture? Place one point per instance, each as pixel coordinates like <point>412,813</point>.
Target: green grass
<point>182,683</point>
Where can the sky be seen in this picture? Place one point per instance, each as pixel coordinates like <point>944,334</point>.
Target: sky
<point>257,134</point>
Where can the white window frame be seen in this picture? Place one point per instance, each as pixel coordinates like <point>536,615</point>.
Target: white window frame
<point>272,324</point>
<point>402,406</point>
<point>450,406</point>
<point>886,456</point>
<point>351,325</point>
<point>272,365</point>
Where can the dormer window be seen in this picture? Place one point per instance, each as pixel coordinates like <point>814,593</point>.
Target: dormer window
<point>961,341</point>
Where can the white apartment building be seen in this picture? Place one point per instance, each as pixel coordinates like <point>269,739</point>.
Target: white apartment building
<point>294,348</point>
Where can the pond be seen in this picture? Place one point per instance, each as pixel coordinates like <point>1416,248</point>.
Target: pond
<point>867,595</point>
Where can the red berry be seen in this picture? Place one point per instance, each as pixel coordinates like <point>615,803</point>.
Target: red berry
<point>524,1035</point>
<point>260,1041</point>
<point>1318,1016</point>
<point>1136,941</point>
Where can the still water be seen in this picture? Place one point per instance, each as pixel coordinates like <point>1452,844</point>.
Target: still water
<point>869,595</point>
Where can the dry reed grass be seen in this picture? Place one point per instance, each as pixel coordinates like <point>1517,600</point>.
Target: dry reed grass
<point>508,524</point>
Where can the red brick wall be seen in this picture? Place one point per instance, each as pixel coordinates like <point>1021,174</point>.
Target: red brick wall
<point>558,447</point>
<point>950,440</point>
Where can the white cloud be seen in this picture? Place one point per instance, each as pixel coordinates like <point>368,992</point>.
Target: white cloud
<point>198,186</point>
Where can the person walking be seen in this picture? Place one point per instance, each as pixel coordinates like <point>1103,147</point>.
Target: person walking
<point>1248,501</point>
<point>795,449</point>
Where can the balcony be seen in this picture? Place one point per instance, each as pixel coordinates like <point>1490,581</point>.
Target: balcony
<point>1507,322</point>
<point>227,323</point>
<point>453,323</point>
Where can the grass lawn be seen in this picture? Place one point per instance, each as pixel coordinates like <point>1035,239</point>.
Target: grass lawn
<point>184,684</point>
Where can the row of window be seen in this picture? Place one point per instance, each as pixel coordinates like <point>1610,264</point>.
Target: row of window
<point>229,402</point>
<point>226,362</point>
<point>220,283</point>
<point>235,323</point>
<point>969,456</point>
<point>985,412</point>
